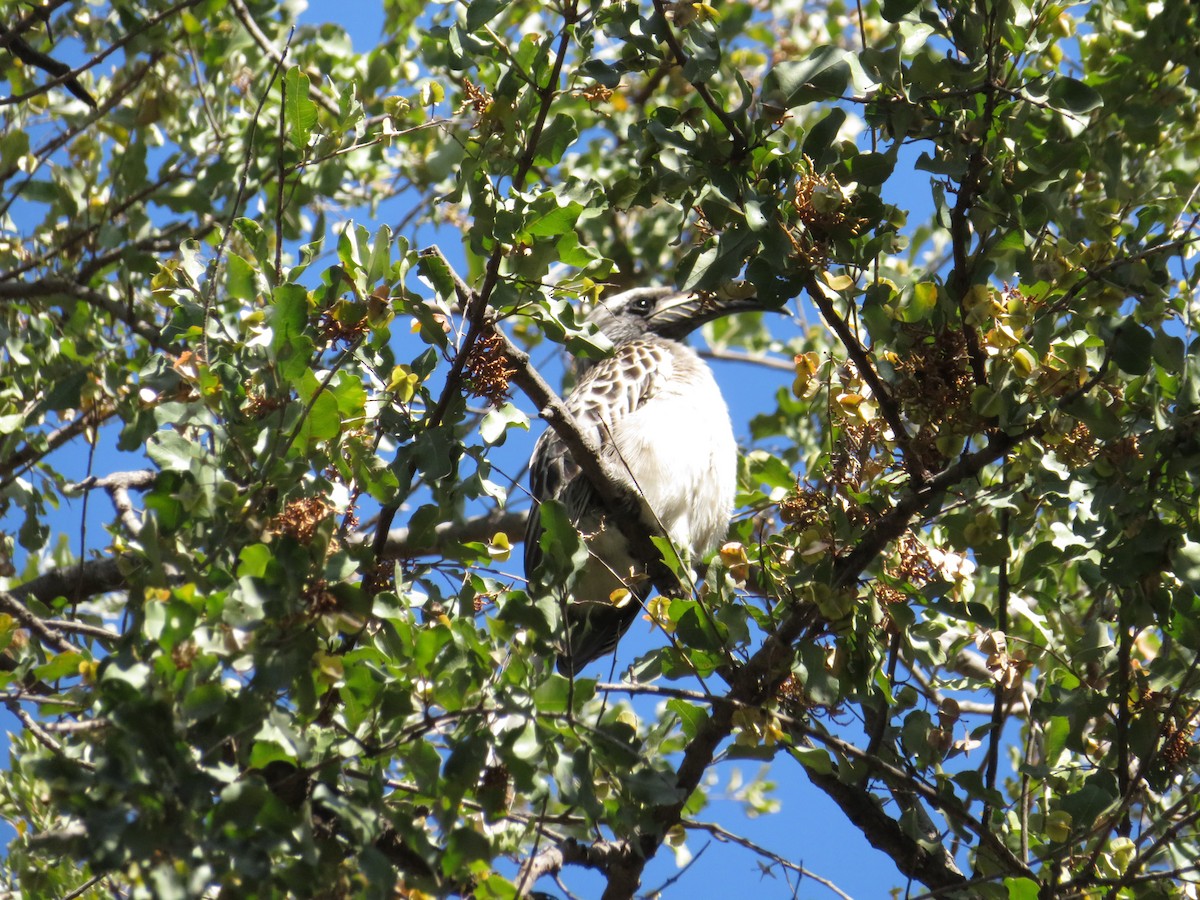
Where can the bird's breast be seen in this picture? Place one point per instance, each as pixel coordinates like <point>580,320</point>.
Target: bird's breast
<point>679,448</point>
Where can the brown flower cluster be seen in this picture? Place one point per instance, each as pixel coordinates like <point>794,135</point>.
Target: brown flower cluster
<point>855,461</point>
<point>331,328</point>
<point>805,507</point>
<point>1078,447</point>
<point>300,519</point>
<point>792,699</point>
<point>913,566</point>
<point>474,97</point>
<point>381,576</point>
<point>319,600</point>
<point>597,93</point>
<point>935,380</point>
<point>1121,453</point>
<point>488,370</point>
<point>809,209</point>
<point>259,406</point>
<point>1176,745</point>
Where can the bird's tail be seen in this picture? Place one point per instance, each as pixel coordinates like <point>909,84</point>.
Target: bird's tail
<point>593,629</point>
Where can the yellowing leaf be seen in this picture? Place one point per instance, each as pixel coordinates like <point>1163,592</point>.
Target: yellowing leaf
<point>499,548</point>
<point>403,383</point>
<point>620,597</point>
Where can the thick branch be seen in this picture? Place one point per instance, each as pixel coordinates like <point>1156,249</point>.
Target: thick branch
<point>603,856</point>
<point>78,582</point>
<point>933,869</point>
<point>52,288</point>
<point>31,56</point>
<point>402,543</point>
<point>70,75</point>
<point>12,467</point>
<point>44,632</point>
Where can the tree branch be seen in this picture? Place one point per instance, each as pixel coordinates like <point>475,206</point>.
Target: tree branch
<point>759,679</point>
<point>722,834</point>
<point>866,368</point>
<point>740,144</point>
<point>476,304</point>
<point>70,75</point>
<point>264,43</point>
<point>44,632</point>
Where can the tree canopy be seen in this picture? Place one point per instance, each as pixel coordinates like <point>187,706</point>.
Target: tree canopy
<point>960,597</point>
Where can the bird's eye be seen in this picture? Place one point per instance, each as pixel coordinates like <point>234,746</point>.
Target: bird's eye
<point>642,305</point>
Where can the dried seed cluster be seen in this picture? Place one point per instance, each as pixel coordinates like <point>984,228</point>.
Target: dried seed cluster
<point>319,600</point>
<point>1176,745</point>
<point>474,98</point>
<point>331,328</point>
<point>1078,447</point>
<point>935,381</point>
<point>488,370</point>
<point>300,519</point>
<point>259,406</point>
<point>806,507</point>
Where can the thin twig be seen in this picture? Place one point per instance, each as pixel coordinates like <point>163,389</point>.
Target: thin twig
<point>866,369</point>
<point>42,736</point>
<point>477,303</point>
<point>215,265</point>
<point>724,835</point>
<point>268,47</point>
<point>740,144</point>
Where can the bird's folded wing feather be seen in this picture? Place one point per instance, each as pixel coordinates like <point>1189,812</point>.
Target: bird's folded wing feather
<point>608,392</point>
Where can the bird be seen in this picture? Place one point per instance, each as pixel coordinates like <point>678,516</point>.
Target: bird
<point>658,416</point>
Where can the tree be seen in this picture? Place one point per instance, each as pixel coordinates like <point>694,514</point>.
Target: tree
<point>961,597</point>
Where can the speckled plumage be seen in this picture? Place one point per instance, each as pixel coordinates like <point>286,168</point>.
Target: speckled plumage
<point>657,413</point>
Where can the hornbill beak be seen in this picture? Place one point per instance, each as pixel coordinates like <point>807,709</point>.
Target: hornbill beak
<point>680,315</point>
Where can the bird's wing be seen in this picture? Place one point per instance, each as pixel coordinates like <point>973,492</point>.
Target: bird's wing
<point>609,391</point>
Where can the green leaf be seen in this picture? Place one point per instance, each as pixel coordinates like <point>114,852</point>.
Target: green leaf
<point>1022,888</point>
<point>498,420</point>
<point>465,846</point>
<point>562,550</point>
<point>240,278</point>
<point>818,142</point>
<point>254,559</point>
<point>170,450</point>
<point>480,12</point>
<point>1073,96</point>
<point>555,139</point>
<point>300,111</point>
<point>921,302</point>
<point>813,758</point>
<point>556,221</point>
<point>691,716</point>
<point>289,315</point>
<point>322,423</point>
<point>1058,730</point>
<point>872,169</point>
<point>895,10</point>
<point>824,75</point>
<point>1133,347</point>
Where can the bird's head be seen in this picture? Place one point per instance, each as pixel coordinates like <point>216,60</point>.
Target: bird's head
<point>666,312</point>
